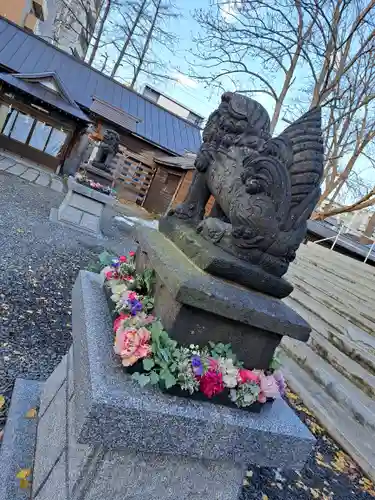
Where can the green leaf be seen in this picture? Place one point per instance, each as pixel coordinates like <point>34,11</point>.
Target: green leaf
<point>154,378</point>
<point>148,364</point>
<point>169,380</point>
<point>141,378</point>
<point>105,258</point>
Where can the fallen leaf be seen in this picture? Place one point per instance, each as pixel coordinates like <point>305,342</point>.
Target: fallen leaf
<point>24,484</point>
<point>23,473</point>
<point>264,497</point>
<point>2,401</point>
<point>32,413</point>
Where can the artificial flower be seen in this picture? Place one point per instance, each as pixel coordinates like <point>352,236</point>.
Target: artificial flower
<point>280,380</point>
<point>213,364</point>
<point>247,376</point>
<point>132,344</point>
<point>122,259</point>
<point>115,262</point>
<point>131,254</point>
<point>109,275</point>
<point>211,383</point>
<point>229,371</point>
<point>269,387</point>
<point>197,365</point>
<point>119,320</point>
<point>132,296</point>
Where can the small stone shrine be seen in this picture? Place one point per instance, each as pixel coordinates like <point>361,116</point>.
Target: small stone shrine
<point>100,435</point>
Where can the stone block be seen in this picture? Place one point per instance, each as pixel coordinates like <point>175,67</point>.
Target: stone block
<point>125,476</point>
<point>70,214</point>
<point>30,175</point>
<point>55,485</point>
<point>57,185</point>
<point>5,163</point>
<point>90,193</point>
<point>192,304</point>
<point>53,385</point>
<point>86,204</point>
<point>113,411</point>
<point>17,169</point>
<point>51,438</point>
<point>90,222</point>
<point>18,443</point>
<point>43,179</point>
<point>214,260</point>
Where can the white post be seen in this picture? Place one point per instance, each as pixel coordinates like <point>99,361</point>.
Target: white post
<point>369,252</point>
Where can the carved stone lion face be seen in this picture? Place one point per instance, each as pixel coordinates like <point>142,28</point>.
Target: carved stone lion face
<point>111,137</point>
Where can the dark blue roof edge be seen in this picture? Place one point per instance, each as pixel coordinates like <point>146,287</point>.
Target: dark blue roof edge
<point>83,63</point>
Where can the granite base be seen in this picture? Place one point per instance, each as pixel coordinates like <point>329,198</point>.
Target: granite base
<point>83,207</point>
<point>100,435</point>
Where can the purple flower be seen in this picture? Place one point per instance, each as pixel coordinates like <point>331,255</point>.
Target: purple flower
<point>196,363</point>
<point>134,306</point>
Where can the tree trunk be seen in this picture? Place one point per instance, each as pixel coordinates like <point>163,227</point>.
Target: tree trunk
<point>146,45</point>
<point>100,32</point>
<point>367,237</point>
<point>128,38</point>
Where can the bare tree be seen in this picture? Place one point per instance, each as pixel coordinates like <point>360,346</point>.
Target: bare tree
<point>98,36</point>
<point>138,35</point>
<point>298,54</point>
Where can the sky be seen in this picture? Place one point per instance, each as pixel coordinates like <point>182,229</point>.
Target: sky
<point>186,90</point>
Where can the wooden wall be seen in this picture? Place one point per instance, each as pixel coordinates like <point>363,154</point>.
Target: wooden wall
<point>184,188</point>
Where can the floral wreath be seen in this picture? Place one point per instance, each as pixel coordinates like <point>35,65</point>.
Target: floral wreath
<point>153,357</point>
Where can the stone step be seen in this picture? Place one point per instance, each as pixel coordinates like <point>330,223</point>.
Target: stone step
<point>339,260</point>
<point>356,344</point>
<point>357,313</point>
<point>337,386</point>
<point>346,323</point>
<point>346,271</point>
<point>355,439</point>
<point>311,273</point>
<point>18,443</point>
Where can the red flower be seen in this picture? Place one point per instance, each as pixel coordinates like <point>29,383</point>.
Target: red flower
<point>132,296</point>
<point>247,376</point>
<point>122,258</point>
<point>118,320</point>
<point>211,383</point>
<point>109,275</point>
<point>131,254</point>
<point>128,278</point>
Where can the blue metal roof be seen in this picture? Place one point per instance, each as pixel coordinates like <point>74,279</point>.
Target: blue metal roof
<point>36,90</point>
<point>24,52</point>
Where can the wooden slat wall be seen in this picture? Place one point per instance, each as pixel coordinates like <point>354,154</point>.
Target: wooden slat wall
<point>133,177</point>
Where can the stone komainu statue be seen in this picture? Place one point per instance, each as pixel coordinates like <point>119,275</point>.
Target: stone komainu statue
<point>108,149</point>
<point>264,188</point>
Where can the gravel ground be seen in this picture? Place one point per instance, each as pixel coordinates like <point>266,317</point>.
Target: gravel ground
<point>38,265</point>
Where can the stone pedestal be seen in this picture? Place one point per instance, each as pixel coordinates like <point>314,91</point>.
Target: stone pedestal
<point>83,207</point>
<point>196,307</point>
<point>102,436</point>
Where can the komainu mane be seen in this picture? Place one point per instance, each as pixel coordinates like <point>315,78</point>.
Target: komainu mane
<point>264,188</point>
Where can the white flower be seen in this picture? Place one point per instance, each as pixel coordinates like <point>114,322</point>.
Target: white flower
<point>229,372</point>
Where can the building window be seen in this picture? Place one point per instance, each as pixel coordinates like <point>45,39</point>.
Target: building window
<point>28,130</point>
<point>193,118</point>
<point>56,142</point>
<point>151,94</point>
<point>40,135</point>
<point>21,127</point>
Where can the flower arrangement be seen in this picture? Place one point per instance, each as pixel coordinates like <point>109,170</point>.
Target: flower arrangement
<point>82,178</point>
<point>153,357</point>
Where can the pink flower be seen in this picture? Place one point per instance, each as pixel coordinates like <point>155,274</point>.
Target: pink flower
<point>109,275</point>
<point>211,383</point>
<point>247,376</point>
<point>119,320</point>
<point>122,258</point>
<point>132,344</point>
<point>269,387</point>
<point>129,278</point>
<point>132,296</point>
<point>131,254</point>
<point>213,364</point>
<point>149,319</point>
